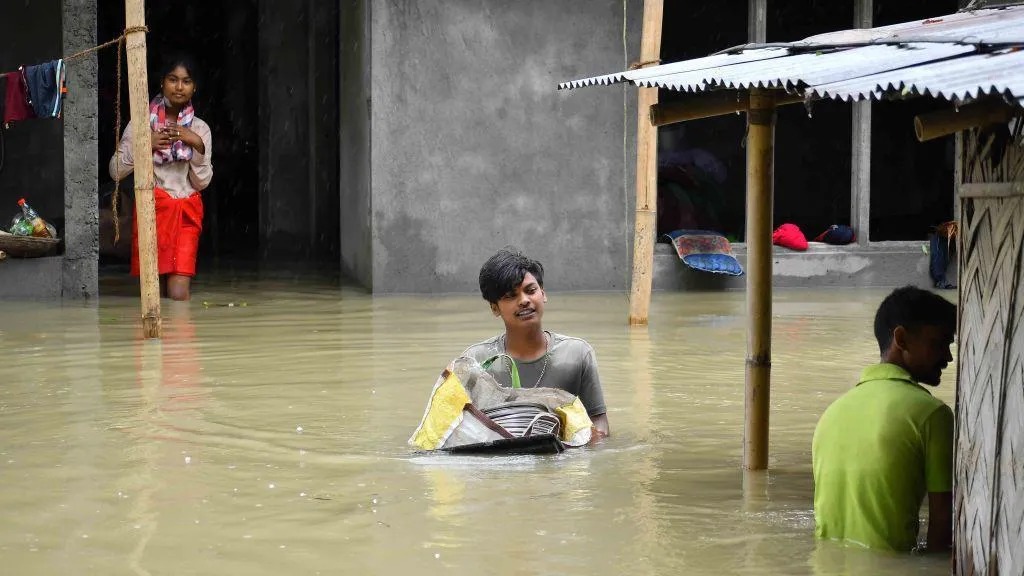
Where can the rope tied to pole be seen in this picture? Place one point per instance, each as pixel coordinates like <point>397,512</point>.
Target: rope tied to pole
<point>644,64</point>
<point>120,40</point>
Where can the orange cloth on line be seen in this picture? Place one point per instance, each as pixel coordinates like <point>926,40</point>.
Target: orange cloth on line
<point>178,225</point>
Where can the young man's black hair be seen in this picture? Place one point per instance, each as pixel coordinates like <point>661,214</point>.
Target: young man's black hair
<point>504,271</point>
<point>911,308</point>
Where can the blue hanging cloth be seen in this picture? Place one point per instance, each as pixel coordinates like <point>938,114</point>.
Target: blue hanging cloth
<point>45,88</point>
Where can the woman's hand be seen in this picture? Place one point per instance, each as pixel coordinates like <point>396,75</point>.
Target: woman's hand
<point>161,140</point>
<point>187,136</point>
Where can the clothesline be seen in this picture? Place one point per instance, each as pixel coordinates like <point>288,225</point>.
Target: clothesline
<point>119,41</point>
<point>87,51</point>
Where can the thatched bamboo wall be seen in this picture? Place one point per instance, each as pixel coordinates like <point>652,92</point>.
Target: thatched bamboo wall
<point>989,477</point>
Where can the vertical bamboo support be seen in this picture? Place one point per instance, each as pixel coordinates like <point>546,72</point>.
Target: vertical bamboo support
<point>860,159</point>
<point>145,211</point>
<point>760,176</point>
<point>646,172</point>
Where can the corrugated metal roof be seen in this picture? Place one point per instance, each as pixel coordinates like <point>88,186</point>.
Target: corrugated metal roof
<point>992,26</point>
<point>704,63</point>
<point>957,57</point>
<point>972,76</point>
<point>808,69</point>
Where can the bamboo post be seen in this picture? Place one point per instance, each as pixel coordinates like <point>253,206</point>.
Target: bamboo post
<point>860,141</point>
<point>709,104</point>
<point>145,211</point>
<point>760,176</point>
<point>646,172</point>
<point>945,122</point>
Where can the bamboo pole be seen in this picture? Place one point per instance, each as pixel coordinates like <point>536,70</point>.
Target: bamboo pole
<point>145,211</point>
<point>709,104</point>
<point>945,122</point>
<point>860,142</point>
<point>704,105</point>
<point>760,176</point>
<point>646,172</point>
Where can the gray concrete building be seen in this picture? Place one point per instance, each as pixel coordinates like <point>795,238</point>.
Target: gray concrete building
<point>456,143</point>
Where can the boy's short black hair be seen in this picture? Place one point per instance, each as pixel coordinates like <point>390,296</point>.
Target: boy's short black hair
<point>506,270</point>
<point>912,308</point>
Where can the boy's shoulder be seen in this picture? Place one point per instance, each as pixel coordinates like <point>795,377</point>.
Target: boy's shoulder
<point>483,350</point>
<point>570,341</point>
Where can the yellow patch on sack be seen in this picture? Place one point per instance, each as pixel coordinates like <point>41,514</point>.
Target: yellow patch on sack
<point>576,423</point>
<point>443,414</point>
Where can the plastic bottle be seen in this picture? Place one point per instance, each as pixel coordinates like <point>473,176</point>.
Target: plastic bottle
<point>38,224</point>
<point>20,226</point>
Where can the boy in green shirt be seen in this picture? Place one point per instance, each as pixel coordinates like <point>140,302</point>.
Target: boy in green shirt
<point>885,443</point>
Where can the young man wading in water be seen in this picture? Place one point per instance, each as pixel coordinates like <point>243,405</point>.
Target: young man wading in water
<point>883,445</point>
<point>514,286</point>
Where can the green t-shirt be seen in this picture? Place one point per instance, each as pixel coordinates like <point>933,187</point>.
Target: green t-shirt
<point>877,450</point>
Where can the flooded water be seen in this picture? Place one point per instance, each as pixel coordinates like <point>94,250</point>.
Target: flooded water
<point>269,437</point>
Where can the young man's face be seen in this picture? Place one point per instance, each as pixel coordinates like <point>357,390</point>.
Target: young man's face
<point>926,352</point>
<point>523,305</point>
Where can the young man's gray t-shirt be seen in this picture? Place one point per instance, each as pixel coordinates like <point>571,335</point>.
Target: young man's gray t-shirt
<point>571,366</point>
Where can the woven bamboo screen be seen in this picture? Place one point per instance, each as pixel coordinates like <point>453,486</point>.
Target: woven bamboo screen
<point>989,476</point>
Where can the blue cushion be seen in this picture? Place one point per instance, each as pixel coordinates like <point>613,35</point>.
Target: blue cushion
<point>716,263</point>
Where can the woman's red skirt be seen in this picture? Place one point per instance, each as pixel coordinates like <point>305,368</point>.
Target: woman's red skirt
<point>179,221</point>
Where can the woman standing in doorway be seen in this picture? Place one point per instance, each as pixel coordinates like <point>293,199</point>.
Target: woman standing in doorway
<point>182,151</point>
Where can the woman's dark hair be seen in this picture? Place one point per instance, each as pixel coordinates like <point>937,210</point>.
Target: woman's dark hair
<point>172,60</point>
<point>504,271</point>
<point>911,308</point>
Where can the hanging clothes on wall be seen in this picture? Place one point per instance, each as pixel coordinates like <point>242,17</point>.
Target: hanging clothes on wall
<point>46,88</point>
<point>16,99</point>
<point>34,92</point>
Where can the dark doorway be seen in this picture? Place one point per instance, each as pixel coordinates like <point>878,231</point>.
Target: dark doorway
<point>702,178</point>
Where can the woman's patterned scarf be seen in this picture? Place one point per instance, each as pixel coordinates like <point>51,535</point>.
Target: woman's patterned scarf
<point>179,151</point>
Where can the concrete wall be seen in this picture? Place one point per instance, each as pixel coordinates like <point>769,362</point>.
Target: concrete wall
<point>31,278</point>
<point>81,211</point>
<point>298,128</point>
<point>474,148</point>
<point>354,104</point>
<point>880,264</point>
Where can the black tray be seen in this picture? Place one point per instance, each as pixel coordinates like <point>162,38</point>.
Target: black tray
<point>540,444</point>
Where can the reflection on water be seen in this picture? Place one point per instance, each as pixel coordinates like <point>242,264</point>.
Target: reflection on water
<point>270,438</point>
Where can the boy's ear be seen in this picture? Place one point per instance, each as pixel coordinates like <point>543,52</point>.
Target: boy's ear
<point>494,309</point>
<point>899,337</point>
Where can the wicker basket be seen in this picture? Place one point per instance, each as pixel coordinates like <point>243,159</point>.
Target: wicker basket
<point>26,246</point>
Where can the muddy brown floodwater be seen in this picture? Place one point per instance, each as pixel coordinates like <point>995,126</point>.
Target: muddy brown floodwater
<point>269,437</point>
